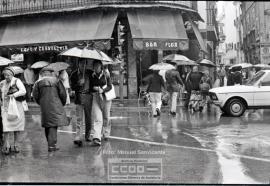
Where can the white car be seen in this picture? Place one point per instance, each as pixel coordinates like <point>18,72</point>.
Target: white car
<point>234,100</point>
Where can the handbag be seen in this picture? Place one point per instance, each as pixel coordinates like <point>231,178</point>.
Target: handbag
<point>110,95</point>
<point>13,112</point>
<point>13,88</point>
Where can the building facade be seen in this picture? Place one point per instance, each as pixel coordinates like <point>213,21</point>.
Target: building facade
<point>255,20</point>
<point>138,33</point>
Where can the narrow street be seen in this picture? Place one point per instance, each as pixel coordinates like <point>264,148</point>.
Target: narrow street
<point>189,148</point>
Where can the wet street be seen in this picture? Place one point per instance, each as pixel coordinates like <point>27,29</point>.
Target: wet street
<point>189,148</point>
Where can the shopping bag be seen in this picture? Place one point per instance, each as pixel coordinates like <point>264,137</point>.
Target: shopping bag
<point>13,112</point>
<point>110,94</point>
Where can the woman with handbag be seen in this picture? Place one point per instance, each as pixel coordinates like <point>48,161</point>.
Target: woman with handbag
<point>13,117</point>
<point>205,86</point>
<point>101,89</point>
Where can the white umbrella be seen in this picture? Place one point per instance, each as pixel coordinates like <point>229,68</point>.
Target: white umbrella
<point>176,57</point>
<point>40,64</point>
<point>16,69</point>
<point>243,65</point>
<point>58,66</point>
<point>161,66</point>
<point>87,52</point>
<point>207,62</point>
<point>262,66</point>
<point>5,61</point>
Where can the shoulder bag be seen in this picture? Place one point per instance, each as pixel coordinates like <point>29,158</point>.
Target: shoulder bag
<point>110,95</point>
<point>13,88</point>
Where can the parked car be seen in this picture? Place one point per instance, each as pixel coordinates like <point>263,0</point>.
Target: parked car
<point>234,100</point>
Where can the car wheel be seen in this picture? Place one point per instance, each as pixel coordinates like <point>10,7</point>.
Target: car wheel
<point>235,107</point>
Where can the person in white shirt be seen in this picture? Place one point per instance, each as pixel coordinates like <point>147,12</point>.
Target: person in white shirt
<point>29,77</point>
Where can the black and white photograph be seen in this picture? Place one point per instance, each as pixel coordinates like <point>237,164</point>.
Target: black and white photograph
<point>134,92</point>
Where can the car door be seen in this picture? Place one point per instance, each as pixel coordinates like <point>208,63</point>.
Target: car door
<point>262,92</point>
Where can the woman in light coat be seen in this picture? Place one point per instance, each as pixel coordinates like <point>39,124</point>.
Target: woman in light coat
<point>11,125</point>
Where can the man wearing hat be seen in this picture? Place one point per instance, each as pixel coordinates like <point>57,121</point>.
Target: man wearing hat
<point>49,92</point>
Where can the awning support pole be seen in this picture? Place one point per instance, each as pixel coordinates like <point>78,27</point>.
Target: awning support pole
<point>160,56</point>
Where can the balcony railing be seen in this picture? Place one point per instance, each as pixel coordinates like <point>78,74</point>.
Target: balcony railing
<point>10,7</point>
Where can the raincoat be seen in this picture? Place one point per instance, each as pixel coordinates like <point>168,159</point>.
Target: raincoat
<point>173,81</point>
<point>50,94</point>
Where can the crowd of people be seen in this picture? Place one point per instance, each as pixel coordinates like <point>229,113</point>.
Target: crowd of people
<point>194,86</point>
<point>51,91</point>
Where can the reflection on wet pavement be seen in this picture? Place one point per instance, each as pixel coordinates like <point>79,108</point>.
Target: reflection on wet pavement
<point>194,148</point>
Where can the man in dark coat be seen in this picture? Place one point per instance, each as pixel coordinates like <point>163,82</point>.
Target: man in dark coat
<point>155,84</point>
<point>174,83</point>
<point>83,100</point>
<point>50,94</point>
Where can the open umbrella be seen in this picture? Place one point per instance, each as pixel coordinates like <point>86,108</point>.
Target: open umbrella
<point>16,69</point>
<point>86,52</point>
<point>206,62</point>
<point>263,66</point>
<point>40,64</point>
<point>113,62</point>
<point>161,66</point>
<point>242,65</point>
<point>5,61</point>
<point>175,57</point>
<point>58,66</point>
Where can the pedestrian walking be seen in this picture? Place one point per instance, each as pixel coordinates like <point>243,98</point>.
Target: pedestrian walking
<point>193,84</point>
<point>49,92</point>
<point>155,85</point>
<point>63,76</point>
<point>173,84</point>
<point>100,83</point>
<point>13,117</point>
<point>205,86</point>
<point>29,78</point>
<point>83,100</point>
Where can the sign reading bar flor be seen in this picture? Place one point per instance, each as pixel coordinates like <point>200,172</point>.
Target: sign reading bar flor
<point>161,44</point>
<point>44,48</point>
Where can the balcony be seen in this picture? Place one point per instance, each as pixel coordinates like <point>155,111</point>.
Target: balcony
<point>19,7</point>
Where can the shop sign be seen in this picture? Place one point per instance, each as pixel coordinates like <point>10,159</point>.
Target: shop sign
<point>43,48</point>
<point>165,45</point>
<point>17,57</point>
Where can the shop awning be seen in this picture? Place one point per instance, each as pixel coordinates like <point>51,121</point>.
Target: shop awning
<point>96,25</point>
<point>199,36</point>
<point>157,30</point>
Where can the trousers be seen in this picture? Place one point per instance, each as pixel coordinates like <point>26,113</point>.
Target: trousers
<point>155,101</point>
<point>51,136</point>
<point>173,101</point>
<point>83,115</point>
<point>101,116</point>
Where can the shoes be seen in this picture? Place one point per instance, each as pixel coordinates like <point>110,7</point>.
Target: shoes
<point>78,142</point>
<point>16,149</point>
<point>173,113</point>
<point>155,116</point>
<point>96,142</point>
<point>51,149</point>
<point>158,112</point>
<point>6,150</point>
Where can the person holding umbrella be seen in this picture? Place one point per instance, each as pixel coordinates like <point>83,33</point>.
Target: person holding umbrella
<point>100,82</point>
<point>83,100</point>
<point>174,83</point>
<point>155,84</point>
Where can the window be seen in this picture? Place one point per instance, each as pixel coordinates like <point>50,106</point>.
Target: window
<point>266,80</point>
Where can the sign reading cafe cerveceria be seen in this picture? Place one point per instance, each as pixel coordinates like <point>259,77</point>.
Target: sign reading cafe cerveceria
<point>43,48</point>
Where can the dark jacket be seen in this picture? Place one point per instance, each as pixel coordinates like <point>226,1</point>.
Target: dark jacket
<point>193,81</point>
<point>51,95</point>
<point>237,78</point>
<point>173,80</point>
<point>101,80</point>
<point>155,82</point>
<point>79,89</point>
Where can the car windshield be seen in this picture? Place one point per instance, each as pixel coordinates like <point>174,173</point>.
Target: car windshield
<point>255,78</point>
